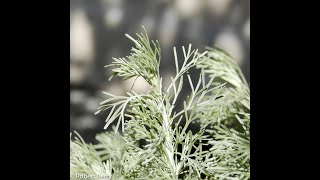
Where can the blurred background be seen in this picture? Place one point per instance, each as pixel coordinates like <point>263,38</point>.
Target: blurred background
<point>97,33</point>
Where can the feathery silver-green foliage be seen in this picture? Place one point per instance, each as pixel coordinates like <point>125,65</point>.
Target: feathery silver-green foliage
<point>157,142</point>
<point>85,161</point>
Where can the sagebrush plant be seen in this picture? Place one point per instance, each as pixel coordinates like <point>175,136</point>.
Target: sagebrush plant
<point>152,137</point>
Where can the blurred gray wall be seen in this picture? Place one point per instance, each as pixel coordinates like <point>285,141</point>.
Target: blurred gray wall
<point>97,29</point>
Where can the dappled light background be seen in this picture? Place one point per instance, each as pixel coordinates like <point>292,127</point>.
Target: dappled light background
<point>97,33</point>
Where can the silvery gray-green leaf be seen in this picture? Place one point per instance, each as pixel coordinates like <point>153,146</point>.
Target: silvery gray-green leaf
<point>151,137</point>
